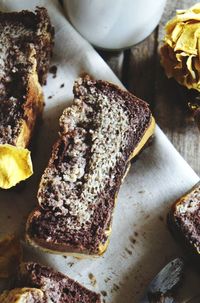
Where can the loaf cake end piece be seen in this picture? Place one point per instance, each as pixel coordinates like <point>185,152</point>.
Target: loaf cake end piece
<point>99,135</point>
<point>26,46</point>
<point>184,221</point>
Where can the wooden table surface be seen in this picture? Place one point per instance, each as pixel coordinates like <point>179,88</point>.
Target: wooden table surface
<point>140,71</point>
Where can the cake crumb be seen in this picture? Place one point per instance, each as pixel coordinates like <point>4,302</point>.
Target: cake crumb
<point>133,240</point>
<point>115,288</point>
<point>49,97</point>
<point>53,70</point>
<point>70,264</point>
<point>107,279</point>
<point>62,85</point>
<point>128,251</point>
<point>92,278</point>
<point>104,293</point>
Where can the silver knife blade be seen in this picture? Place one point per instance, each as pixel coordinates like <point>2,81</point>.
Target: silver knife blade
<point>161,287</point>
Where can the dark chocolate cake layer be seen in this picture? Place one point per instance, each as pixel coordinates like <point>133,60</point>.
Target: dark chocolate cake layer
<point>56,287</point>
<point>26,46</point>
<point>99,134</point>
<point>184,220</point>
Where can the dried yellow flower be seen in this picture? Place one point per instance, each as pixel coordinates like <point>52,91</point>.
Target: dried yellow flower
<point>180,53</point>
<point>22,295</point>
<point>15,165</point>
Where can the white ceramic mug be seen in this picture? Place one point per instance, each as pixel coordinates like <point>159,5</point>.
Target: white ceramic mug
<point>114,24</point>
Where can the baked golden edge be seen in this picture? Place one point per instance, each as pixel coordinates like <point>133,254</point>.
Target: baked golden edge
<point>33,106</point>
<point>32,110</point>
<point>102,246</point>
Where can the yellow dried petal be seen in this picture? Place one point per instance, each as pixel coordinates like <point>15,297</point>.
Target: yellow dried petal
<point>177,31</point>
<point>189,14</point>
<point>22,295</point>
<point>15,165</point>
<point>10,255</point>
<point>187,41</point>
<point>170,25</point>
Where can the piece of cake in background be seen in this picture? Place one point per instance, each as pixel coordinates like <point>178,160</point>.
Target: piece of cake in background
<point>184,221</point>
<point>26,40</point>
<point>180,52</point>
<point>37,283</point>
<point>32,282</point>
<point>55,286</point>
<point>99,135</point>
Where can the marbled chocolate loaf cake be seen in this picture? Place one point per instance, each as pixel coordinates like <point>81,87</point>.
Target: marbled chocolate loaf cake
<point>26,40</point>
<point>99,134</point>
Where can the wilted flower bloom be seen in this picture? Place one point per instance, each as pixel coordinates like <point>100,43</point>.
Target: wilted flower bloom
<point>180,54</point>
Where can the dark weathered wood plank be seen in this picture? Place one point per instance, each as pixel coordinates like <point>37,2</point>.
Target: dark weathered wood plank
<point>115,60</point>
<point>139,76</point>
<point>170,109</point>
<point>142,74</point>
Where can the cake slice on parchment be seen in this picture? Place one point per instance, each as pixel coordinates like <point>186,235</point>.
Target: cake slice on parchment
<point>41,284</point>
<point>184,221</point>
<point>26,41</point>
<point>99,135</point>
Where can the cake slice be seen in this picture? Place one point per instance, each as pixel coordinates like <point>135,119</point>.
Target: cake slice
<point>55,286</point>
<point>26,40</point>
<point>40,284</point>
<point>99,135</point>
<point>184,221</point>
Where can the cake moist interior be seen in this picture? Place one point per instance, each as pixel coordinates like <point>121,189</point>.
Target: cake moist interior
<point>187,216</point>
<point>78,188</point>
<point>23,35</point>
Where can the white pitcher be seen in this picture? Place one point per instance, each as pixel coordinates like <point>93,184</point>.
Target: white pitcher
<point>114,24</point>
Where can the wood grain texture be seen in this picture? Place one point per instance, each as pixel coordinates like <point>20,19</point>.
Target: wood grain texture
<point>141,72</point>
<point>170,110</point>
